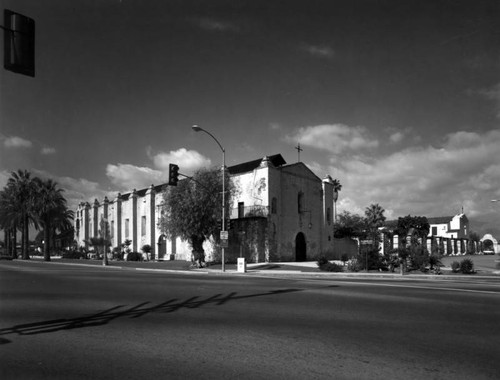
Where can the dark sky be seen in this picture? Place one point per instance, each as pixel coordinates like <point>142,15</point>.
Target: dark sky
<point>398,99</point>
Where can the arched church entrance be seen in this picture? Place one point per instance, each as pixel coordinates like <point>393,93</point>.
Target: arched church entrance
<point>162,247</point>
<point>300,247</point>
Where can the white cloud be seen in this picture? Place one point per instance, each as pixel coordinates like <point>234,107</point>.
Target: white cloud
<point>398,135</point>
<point>432,181</point>
<point>4,178</point>
<point>76,190</point>
<point>215,25</point>
<point>335,138</point>
<point>17,142</point>
<point>492,93</point>
<point>188,160</point>
<point>48,150</point>
<point>319,51</point>
<point>128,177</point>
<point>274,126</point>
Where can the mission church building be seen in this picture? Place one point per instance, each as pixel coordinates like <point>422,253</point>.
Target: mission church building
<point>281,212</point>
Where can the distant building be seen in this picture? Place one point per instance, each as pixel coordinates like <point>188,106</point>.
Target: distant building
<point>447,235</point>
<point>281,213</point>
<point>449,226</point>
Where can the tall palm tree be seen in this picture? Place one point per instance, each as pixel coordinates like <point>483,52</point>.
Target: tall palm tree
<point>8,221</point>
<point>374,217</point>
<point>24,191</point>
<point>52,212</point>
<point>336,185</point>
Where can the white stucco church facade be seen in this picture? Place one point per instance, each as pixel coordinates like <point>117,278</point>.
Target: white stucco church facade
<point>282,212</point>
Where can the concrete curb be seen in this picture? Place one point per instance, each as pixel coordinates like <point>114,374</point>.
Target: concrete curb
<point>335,275</point>
<point>285,273</point>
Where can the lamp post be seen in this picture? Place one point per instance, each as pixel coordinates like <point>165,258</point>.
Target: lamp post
<point>199,129</point>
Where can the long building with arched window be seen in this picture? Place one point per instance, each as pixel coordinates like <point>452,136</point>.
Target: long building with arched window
<point>282,212</point>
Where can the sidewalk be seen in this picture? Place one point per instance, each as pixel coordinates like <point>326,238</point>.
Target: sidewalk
<point>282,269</point>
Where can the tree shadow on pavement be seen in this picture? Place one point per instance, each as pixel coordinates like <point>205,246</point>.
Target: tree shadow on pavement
<point>106,316</point>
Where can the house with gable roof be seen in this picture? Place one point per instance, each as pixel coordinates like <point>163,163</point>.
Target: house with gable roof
<point>456,226</point>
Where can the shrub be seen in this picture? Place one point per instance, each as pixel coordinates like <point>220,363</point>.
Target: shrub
<point>419,257</point>
<point>435,261</point>
<point>332,267</point>
<point>327,266</point>
<point>73,255</point>
<point>467,266</point>
<point>117,253</point>
<point>353,266</point>
<point>455,266</point>
<point>322,260</point>
<point>391,259</point>
<point>134,256</point>
<point>370,255</point>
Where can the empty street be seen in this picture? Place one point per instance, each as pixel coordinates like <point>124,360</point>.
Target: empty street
<point>81,322</point>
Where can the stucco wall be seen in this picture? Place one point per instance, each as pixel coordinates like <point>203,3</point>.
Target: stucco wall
<point>274,230</point>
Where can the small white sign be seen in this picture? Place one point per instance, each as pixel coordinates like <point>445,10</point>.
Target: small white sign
<point>224,235</point>
<point>242,265</point>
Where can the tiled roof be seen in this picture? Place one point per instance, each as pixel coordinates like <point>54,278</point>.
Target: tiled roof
<point>433,220</point>
<point>440,220</point>
<point>276,159</point>
<point>142,192</point>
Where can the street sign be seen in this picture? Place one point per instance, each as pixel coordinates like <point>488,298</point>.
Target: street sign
<point>224,243</point>
<point>224,235</point>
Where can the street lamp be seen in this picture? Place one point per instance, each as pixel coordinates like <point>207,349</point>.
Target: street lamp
<point>199,129</point>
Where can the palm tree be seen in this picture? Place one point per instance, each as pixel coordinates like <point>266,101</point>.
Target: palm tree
<point>52,212</point>
<point>8,220</point>
<point>22,213</point>
<point>336,185</point>
<point>374,217</point>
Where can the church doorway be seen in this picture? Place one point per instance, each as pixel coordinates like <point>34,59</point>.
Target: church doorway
<point>300,247</point>
<point>162,247</point>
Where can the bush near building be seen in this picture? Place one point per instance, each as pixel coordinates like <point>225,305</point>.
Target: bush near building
<point>327,266</point>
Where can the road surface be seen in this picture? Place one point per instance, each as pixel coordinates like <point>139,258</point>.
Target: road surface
<point>74,322</point>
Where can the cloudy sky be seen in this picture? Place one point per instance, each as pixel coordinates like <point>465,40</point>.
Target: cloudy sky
<point>398,99</point>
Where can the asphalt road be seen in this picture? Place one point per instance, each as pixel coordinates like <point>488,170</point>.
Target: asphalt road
<point>73,322</point>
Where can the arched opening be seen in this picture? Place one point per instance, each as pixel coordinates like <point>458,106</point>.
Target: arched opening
<point>162,247</point>
<point>488,246</point>
<point>300,247</point>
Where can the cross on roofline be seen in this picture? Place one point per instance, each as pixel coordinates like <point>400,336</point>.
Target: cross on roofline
<point>299,149</point>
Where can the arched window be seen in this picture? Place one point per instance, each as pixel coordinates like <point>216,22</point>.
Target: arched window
<point>300,202</point>
<point>274,205</point>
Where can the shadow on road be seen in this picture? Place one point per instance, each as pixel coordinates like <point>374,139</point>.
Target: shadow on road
<point>106,316</point>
